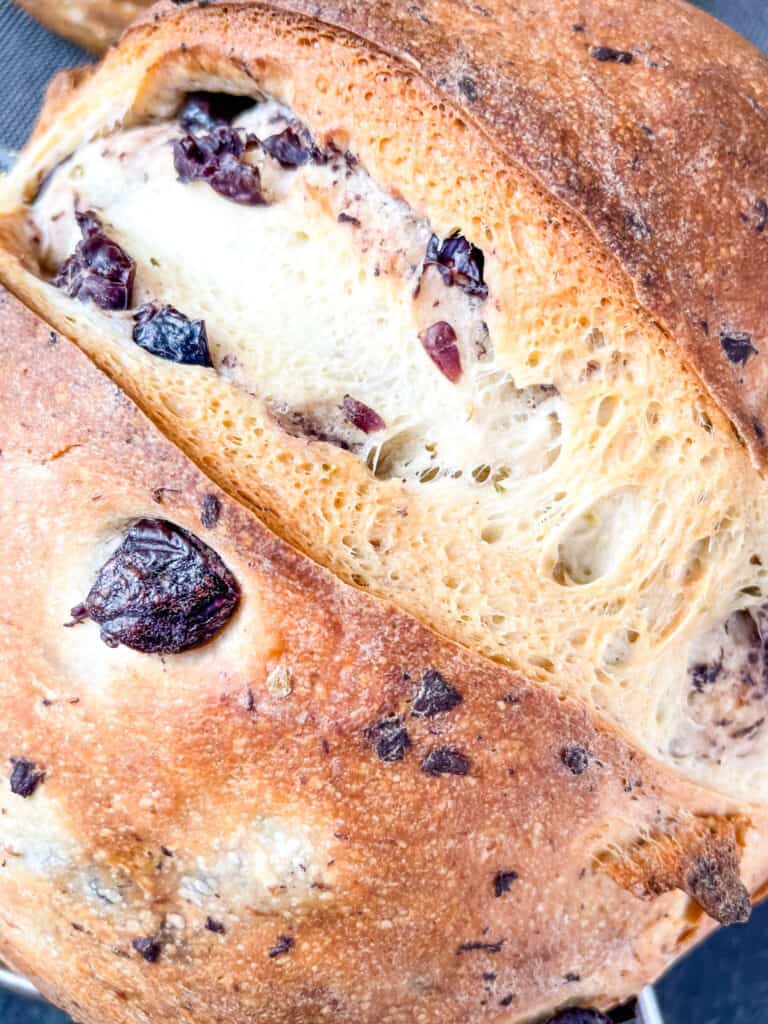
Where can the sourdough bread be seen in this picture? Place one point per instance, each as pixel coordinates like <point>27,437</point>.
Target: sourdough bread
<point>93,24</point>
<point>421,291</point>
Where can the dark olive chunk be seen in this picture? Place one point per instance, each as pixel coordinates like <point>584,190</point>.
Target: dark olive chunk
<point>148,949</point>
<point>389,739</point>
<point>503,882</point>
<point>459,262</point>
<point>216,157</point>
<point>445,761</point>
<point>163,591</point>
<point>98,269</point>
<point>290,147</point>
<point>167,333</point>
<point>737,346</point>
<point>435,696</point>
<point>25,777</point>
<point>480,947</point>
<point>575,758</point>
<point>285,944</point>
<point>607,54</point>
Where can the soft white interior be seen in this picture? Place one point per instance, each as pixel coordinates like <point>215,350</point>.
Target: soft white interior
<point>354,330</point>
<point>605,552</point>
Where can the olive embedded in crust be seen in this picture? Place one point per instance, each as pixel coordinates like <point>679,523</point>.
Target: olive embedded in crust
<point>163,591</point>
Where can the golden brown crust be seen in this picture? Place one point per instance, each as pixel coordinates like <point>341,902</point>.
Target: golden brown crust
<point>142,753</point>
<point>701,858</point>
<point>409,915</point>
<point>664,157</point>
<point>92,24</point>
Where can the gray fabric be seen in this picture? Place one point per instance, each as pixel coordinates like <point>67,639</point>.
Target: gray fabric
<point>29,56</point>
<point>724,982</point>
<point>750,17</point>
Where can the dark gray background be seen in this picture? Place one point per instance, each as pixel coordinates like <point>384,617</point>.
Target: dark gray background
<point>724,982</point>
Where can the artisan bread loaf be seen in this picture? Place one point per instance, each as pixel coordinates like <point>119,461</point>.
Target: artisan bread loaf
<point>93,24</point>
<point>543,476</point>
<point>423,291</point>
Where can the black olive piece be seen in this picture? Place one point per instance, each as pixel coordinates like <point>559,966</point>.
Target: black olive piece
<point>167,333</point>
<point>445,761</point>
<point>480,947</point>
<point>291,148</point>
<point>435,696</point>
<point>216,158</point>
<point>737,346</point>
<point>607,54</point>
<point>25,777</point>
<point>284,945</point>
<point>389,739</point>
<point>98,269</point>
<point>459,263</point>
<point>163,591</point>
<point>503,882</point>
<point>148,949</point>
<point>575,758</point>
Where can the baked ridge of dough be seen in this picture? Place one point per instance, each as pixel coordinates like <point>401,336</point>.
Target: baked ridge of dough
<point>200,842</point>
<point>633,651</point>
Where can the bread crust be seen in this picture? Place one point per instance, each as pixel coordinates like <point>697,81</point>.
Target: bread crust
<point>412,918</point>
<point>143,755</point>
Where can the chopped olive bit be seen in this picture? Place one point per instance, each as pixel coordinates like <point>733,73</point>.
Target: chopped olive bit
<point>503,882</point>
<point>167,333</point>
<point>435,696</point>
<point>389,739</point>
<point>285,944</point>
<point>439,343</point>
<point>737,346</point>
<point>148,949</point>
<point>292,147</point>
<point>361,415</point>
<point>608,55</point>
<point>98,269</point>
<point>575,758</point>
<point>445,761</point>
<point>25,777</point>
<point>459,263</point>
<point>163,591</point>
<point>216,157</point>
<point>480,947</point>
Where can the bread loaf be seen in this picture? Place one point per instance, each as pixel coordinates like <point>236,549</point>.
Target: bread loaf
<point>421,620</point>
<point>93,24</point>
